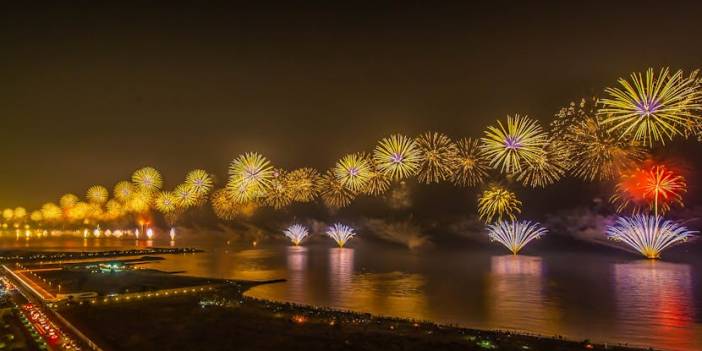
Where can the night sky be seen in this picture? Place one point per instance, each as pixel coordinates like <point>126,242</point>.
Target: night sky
<point>89,92</point>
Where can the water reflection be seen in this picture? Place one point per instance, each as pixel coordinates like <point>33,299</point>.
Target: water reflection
<point>340,274</point>
<point>515,295</point>
<point>297,264</point>
<point>656,298</point>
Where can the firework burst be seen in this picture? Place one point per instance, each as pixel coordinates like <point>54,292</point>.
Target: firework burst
<point>36,216</point>
<point>97,194</point>
<point>250,177</point>
<point>649,235</point>
<point>653,108</point>
<point>397,157</point>
<point>437,155</point>
<point>123,190</point>
<point>199,181</point>
<point>68,200</point>
<point>340,233</point>
<point>508,147</point>
<point>51,211</point>
<point>140,201</point>
<point>185,196</point>
<point>514,235</point>
<point>279,193</point>
<point>547,168</point>
<point>378,182</point>
<point>302,184</point>
<point>147,179</point>
<point>470,168</point>
<point>497,202</point>
<point>334,194</point>
<point>296,233</point>
<point>595,154</point>
<point>353,171</point>
<point>165,202</point>
<point>655,187</point>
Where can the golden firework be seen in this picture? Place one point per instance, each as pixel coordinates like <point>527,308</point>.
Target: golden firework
<point>397,157</point>
<point>200,181</point>
<point>226,208</point>
<point>165,202</point>
<point>653,108</point>
<point>51,211</point>
<point>302,184</point>
<point>546,168</point>
<point>496,202</point>
<point>36,216</point>
<point>279,194</point>
<point>8,213</point>
<point>140,201</point>
<point>185,196</point>
<point>147,179</point>
<point>19,213</point>
<point>97,194</point>
<point>249,177</point>
<point>123,190</point>
<point>353,171</point>
<point>437,155</point>
<point>67,201</point>
<point>509,146</point>
<point>378,183</point>
<point>333,193</point>
<point>470,168</point>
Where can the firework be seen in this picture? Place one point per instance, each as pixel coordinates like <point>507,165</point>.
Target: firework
<point>19,213</point>
<point>655,187</point>
<point>51,211</point>
<point>496,201</point>
<point>302,184</point>
<point>437,155</point>
<point>653,108</point>
<point>508,147</point>
<point>8,213</point>
<point>340,233</point>
<point>166,202</point>
<point>67,201</point>
<point>514,235</point>
<point>113,209</point>
<point>97,194</point>
<point>279,193</point>
<point>649,235</point>
<point>227,209</point>
<point>147,178</point>
<point>200,181</point>
<point>296,233</point>
<point>36,216</point>
<point>249,177</point>
<point>353,171</point>
<point>470,168</point>
<point>139,201</point>
<point>378,183</point>
<point>123,190</point>
<point>78,212</point>
<point>397,157</point>
<point>546,168</point>
<point>595,154</point>
<point>333,193</point>
<point>185,196</point>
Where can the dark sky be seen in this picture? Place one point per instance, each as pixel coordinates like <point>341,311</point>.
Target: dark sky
<point>90,92</point>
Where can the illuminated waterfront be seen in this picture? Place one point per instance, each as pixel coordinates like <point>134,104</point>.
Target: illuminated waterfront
<point>606,297</point>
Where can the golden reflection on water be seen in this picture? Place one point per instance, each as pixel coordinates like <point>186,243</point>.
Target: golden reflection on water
<point>515,297</point>
<point>657,297</point>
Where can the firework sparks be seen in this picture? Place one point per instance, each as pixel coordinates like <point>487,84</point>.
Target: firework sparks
<point>333,193</point>
<point>514,235</point>
<point>341,233</point>
<point>496,202</point>
<point>226,208</point>
<point>199,181</point>
<point>649,235</point>
<point>654,186</point>
<point>19,213</point>
<point>185,195</point>
<point>353,171</point>
<point>139,201</point>
<point>8,213</point>
<point>653,108</point>
<point>36,216</point>
<point>595,154</point>
<point>507,148</point>
<point>166,202</point>
<point>123,191</point>
<point>250,177</point>
<point>378,182</point>
<point>97,194</point>
<point>302,184</point>
<point>67,201</point>
<point>51,211</point>
<point>470,168</point>
<point>437,155</point>
<point>147,178</point>
<point>296,233</point>
<point>279,193</point>
<point>547,168</point>
<point>397,157</point>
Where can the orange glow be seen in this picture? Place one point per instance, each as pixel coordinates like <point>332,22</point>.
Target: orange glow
<point>654,186</point>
